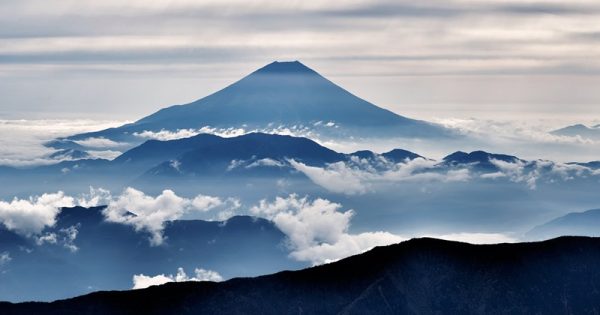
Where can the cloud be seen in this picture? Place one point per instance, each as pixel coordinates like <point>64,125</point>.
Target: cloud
<point>65,237</point>
<point>142,281</point>
<point>22,141</point>
<point>5,258</point>
<point>317,230</point>
<point>336,177</point>
<point>164,134</point>
<point>95,197</point>
<point>356,176</point>
<point>147,213</point>
<point>477,238</point>
<point>104,154</point>
<point>265,162</point>
<point>31,216</point>
<point>528,138</point>
<point>532,172</point>
<point>295,130</point>
<point>99,143</point>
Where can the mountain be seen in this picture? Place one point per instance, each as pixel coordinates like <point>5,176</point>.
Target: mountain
<point>83,251</point>
<point>69,154</point>
<point>395,155</point>
<point>420,276</point>
<point>478,159</point>
<point>250,152</point>
<point>287,94</point>
<point>585,223</point>
<point>399,155</point>
<point>580,130</point>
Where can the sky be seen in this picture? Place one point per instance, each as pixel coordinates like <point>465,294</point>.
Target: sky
<point>121,60</point>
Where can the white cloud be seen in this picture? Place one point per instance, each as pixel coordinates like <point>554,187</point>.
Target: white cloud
<point>477,238</point>
<point>96,197</point>
<point>5,258</point>
<point>265,162</point>
<point>356,176</point>
<point>165,135</point>
<point>31,216</point>
<point>66,237</point>
<point>142,281</point>
<point>317,230</point>
<point>336,177</point>
<point>104,154</point>
<point>149,213</point>
<point>21,141</point>
<point>48,238</point>
<point>100,143</point>
<point>532,172</point>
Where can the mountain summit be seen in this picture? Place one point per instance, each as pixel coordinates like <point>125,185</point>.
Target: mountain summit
<point>280,94</point>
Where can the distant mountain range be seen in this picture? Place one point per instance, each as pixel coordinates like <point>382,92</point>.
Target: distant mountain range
<point>252,155</point>
<point>420,276</point>
<point>592,133</point>
<point>206,155</point>
<point>585,223</point>
<point>281,94</point>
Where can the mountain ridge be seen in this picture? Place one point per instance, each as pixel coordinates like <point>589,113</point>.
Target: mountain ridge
<point>419,276</point>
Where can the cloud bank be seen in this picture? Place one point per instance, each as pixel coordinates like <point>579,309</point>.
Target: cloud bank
<point>22,141</point>
<point>356,177</point>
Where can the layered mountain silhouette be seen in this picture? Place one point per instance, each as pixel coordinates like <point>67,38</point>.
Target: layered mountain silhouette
<point>206,155</point>
<point>420,276</point>
<point>105,255</point>
<point>285,94</point>
<point>585,223</point>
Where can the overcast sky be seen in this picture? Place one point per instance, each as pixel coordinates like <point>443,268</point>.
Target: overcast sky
<point>124,59</point>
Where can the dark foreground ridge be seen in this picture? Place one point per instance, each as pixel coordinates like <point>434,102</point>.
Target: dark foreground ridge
<point>420,276</point>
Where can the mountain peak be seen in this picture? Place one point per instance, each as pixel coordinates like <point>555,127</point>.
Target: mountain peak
<point>285,67</point>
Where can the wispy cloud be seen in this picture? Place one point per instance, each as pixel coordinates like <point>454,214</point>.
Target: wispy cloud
<point>350,178</point>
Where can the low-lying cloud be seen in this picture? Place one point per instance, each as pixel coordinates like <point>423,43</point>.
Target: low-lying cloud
<point>32,215</point>
<point>317,230</point>
<point>356,178</point>
<point>147,213</point>
<point>142,281</point>
<point>22,141</point>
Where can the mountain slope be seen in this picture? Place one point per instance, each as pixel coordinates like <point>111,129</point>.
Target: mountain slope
<point>104,255</point>
<point>279,94</point>
<point>421,276</point>
<point>585,223</point>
